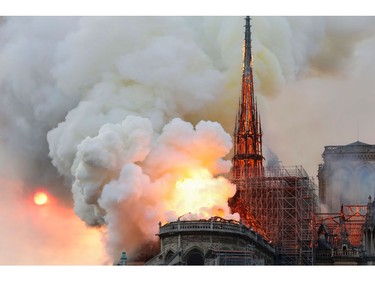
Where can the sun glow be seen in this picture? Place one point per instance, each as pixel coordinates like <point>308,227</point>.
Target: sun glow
<point>40,198</point>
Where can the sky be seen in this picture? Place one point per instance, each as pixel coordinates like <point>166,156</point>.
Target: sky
<point>68,86</point>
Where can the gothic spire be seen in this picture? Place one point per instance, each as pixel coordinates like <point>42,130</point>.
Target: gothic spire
<point>247,68</point>
<point>247,158</point>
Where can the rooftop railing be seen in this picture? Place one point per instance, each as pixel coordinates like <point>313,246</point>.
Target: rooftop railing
<point>345,253</point>
<point>214,225</point>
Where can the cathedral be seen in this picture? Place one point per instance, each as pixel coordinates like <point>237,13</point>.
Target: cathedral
<point>282,220</point>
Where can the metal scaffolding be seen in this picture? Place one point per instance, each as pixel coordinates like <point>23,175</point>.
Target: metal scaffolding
<point>279,204</point>
<point>276,202</point>
<point>348,223</point>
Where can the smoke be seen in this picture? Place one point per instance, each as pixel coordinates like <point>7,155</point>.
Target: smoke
<point>350,182</point>
<point>131,177</point>
<point>159,76</point>
<point>323,90</point>
<point>109,108</point>
<point>31,104</point>
<point>287,49</point>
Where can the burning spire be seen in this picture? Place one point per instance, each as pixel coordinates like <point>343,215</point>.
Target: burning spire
<point>248,158</point>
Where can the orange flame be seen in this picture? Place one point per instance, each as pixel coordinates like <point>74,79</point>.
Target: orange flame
<point>202,195</point>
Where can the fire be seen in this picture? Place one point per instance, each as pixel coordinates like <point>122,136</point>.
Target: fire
<point>203,195</point>
<point>40,198</point>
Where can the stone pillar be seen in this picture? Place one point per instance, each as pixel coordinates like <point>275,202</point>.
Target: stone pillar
<point>161,240</point>
<point>369,244</point>
<point>161,246</point>
<point>369,241</point>
<point>364,240</point>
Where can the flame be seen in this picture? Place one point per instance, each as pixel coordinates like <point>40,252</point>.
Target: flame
<point>202,195</point>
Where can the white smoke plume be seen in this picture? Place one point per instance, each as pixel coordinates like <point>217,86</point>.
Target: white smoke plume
<point>95,100</point>
<point>130,177</point>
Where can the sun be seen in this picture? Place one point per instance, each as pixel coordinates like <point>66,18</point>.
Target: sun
<point>40,198</point>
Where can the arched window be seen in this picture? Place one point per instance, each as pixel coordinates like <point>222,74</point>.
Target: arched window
<point>195,257</point>
<point>169,256</point>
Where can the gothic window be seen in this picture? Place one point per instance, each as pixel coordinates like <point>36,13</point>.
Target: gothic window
<point>195,257</point>
<point>168,256</point>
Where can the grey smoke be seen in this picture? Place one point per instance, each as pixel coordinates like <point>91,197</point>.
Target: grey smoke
<point>65,81</point>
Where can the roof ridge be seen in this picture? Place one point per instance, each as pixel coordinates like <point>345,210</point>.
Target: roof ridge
<point>357,143</point>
